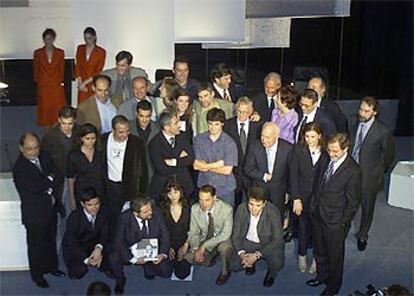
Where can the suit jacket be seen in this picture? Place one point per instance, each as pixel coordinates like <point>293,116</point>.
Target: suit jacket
<point>282,175</point>
<point>235,93</point>
<point>377,152</point>
<point>133,72</point>
<point>128,233</point>
<point>135,172</point>
<point>336,114</point>
<point>261,105</point>
<point>80,237</point>
<point>223,224</point>
<point>338,200</point>
<point>328,126</point>
<point>88,112</point>
<point>230,127</point>
<point>159,151</point>
<point>32,186</point>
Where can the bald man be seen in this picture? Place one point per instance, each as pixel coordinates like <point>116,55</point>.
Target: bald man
<point>268,162</point>
<point>265,102</point>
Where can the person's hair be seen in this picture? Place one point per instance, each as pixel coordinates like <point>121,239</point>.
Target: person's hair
<point>49,31</point>
<point>372,102</point>
<point>123,54</point>
<point>288,96</point>
<point>98,288</point>
<point>208,189</point>
<point>165,118</point>
<point>87,194</point>
<point>143,78</point>
<point>216,114</point>
<point>311,126</point>
<point>164,200</point>
<point>341,138</point>
<point>272,75</point>
<point>25,135</point>
<point>90,30</point>
<point>137,203</point>
<point>180,92</point>
<point>103,77</point>
<point>170,85</point>
<point>144,105</point>
<point>219,70</point>
<point>67,112</point>
<point>245,101</point>
<point>257,192</point>
<point>181,59</point>
<point>310,94</point>
<point>84,129</point>
<point>119,119</point>
<point>205,86</point>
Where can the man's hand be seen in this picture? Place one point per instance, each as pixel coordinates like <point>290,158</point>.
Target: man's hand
<point>297,207</point>
<point>199,255</point>
<point>255,117</point>
<point>95,258</point>
<point>182,251</point>
<point>249,259</point>
<point>140,261</point>
<point>267,177</point>
<point>171,254</point>
<point>172,162</point>
<point>183,154</point>
<point>159,258</point>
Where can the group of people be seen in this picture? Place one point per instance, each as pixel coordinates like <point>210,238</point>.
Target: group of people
<point>202,168</point>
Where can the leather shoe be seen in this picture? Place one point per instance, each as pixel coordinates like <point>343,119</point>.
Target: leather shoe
<point>119,289</point>
<point>268,280</point>
<point>362,244</point>
<point>250,270</point>
<point>58,273</point>
<point>314,283</point>
<point>287,237</point>
<point>42,283</point>
<point>222,278</point>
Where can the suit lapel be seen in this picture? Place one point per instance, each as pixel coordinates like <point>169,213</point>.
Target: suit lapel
<point>338,171</point>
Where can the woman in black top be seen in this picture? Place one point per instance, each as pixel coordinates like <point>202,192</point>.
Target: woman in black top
<point>177,217</point>
<point>182,105</point>
<point>308,156</point>
<point>85,164</point>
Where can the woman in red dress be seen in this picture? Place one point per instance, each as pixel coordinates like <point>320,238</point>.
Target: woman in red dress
<point>90,60</point>
<point>49,65</point>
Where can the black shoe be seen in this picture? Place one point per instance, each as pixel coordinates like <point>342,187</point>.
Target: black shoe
<point>362,244</point>
<point>119,289</point>
<point>150,277</point>
<point>250,270</point>
<point>314,283</point>
<point>42,283</point>
<point>222,278</point>
<point>58,273</point>
<point>268,280</point>
<point>288,237</point>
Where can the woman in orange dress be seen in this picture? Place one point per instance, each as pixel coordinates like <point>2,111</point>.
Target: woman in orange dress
<point>49,65</point>
<point>90,60</point>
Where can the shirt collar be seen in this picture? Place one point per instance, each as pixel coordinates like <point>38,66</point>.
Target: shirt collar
<point>88,216</point>
<point>167,137</point>
<point>105,103</point>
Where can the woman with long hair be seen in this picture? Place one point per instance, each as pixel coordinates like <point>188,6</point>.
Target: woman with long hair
<point>184,109</point>
<point>164,101</point>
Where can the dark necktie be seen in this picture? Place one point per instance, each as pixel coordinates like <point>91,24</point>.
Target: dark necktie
<point>358,143</point>
<point>225,95</point>
<point>92,220</point>
<point>300,127</point>
<point>144,230</point>
<point>210,229</point>
<point>329,172</point>
<point>272,104</point>
<point>124,89</point>
<point>243,137</point>
<point>172,142</point>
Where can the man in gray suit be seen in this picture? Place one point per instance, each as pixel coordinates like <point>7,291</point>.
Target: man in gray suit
<point>257,234</point>
<point>210,230</point>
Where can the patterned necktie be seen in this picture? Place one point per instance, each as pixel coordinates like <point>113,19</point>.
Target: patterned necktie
<point>37,163</point>
<point>210,229</point>
<point>358,144</point>
<point>225,95</point>
<point>329,172</point>
<point>172,142</point>
<point>124,89</point>
<point>300,127</point>
<point>243,137</point>
<point>92,220</point>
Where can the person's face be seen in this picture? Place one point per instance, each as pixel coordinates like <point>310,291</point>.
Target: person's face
<point>223,81</point>
<point>335,151</point>
<point>30,148</point>
<point>206,201</point>
<point>182,103</point>
<point>255,206</point>
<point>268,137</point>
<point>92,206</point>
<point>206,98</point>
<point>307,105</point>
<point>244,111</point>
<point>312,138</point>
<point>89,39</point>
<point>121,132</point>
<point>215,127</point>
<point>145,212</point>
<point>144,117</point>
<point>66,125</point>
<point>271,87</point>
<point>366,112</point>
<point>122,67</point>
<point>89,140</point>
<point>139,89</point>
<point>181,71</point>
<point>101,89</point>
<point>48,40</point>
<point>316,85</point>
<point>174,195</point>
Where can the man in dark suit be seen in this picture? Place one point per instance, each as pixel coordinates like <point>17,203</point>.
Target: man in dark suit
<point>337,197</point>
<point>311,113</point>
<point>125,165</point>
<point>181,71</point>
<point>220,77</point>
<point>86,239</point>
<point>142,220</point>
<point>373,149</point>
<point>257,233</point>
<point>268,162</point>
<point>243,131</point>
<point>37,181</point>
<point>265,102</point>
<point>172,155</point>
<point>329,106</point>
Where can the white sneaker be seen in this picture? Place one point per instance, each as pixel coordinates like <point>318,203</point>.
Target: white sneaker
<point>302,263</point>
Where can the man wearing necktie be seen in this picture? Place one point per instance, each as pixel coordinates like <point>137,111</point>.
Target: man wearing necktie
<point>337,197</point>
<point>264,102</point>
<point>373,149</point>
<point>223,89</point>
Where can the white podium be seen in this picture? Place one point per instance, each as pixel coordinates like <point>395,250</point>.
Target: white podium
<point>402,185</point>
<point>13,249</point>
